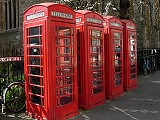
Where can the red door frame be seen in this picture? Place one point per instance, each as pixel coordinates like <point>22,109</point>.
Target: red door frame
<point>129,29</point>
<point>88,20</point>
<point>59,110</point>
<point>112,25</point>
<point>95,98</point>
<point>29,104</point>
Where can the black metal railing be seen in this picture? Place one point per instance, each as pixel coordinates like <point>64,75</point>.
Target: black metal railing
<point>149,54</point>
<point>11,64</point>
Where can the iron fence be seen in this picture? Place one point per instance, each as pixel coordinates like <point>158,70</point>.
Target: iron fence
<point>11,64</point>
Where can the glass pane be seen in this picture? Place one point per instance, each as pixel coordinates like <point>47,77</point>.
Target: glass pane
<point>66,99</point>
<point>95,50</point>
<point>34,61</point>
<point>117,55</point>
<point>34,51</point>
<point>97,82</point>
<point>96,33</point>
<point>97,66</point>
<point>133,65</point>
<point>66,31</point>
<point>132,54</point>
<point>118,82</point>
<point>67,42</point>
<point>36,90</point>
<point>117,49</point>
<point>117,62</point>
<point>65,60</point>
<point>35,41</point>
<point>95,41</point>
<point>132,60</point>
<point>132,47</point>
<point>133,70</point>
<point>96,74</point>
<point>117,42</point>
<point>97,89</point>
<point>132,38</point>
<point>35,70</point>
<point>36,99</point>
<point>118,75</point>
<point>64,42</point>
<point>35,80</point>
<point>66,70</point>
<point>133,76</point>
<point>95,58</point>
<point>63,50</point>
<point>34,31</point>
<point>116,35</point>
<point>118,69</point>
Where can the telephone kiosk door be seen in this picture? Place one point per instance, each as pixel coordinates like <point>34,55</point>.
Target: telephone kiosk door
<point>90,56</point>
<point>130,56</point>
<point>113,42</point>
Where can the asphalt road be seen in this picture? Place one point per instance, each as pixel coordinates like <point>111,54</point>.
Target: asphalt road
<point>142,103</point>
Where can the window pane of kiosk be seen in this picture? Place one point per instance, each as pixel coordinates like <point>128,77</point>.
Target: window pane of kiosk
<point>118,82</point>
<point>118,68</point>
<point>35,80</point>
<point>133,70</point>
<point>34,60</point>
<point>35,65</point>
<point>65,31</point>
<point>96,58</point>
<point>35,51</point>
<point>132,37</point>
<point>96,33</point>
<point>64,65</point>
<point>35,41</point>
<point>35,31</point>
<point>116,35</point>
<point>132,76</point>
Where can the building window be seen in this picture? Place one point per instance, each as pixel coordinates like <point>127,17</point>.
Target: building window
<point>11,8</point>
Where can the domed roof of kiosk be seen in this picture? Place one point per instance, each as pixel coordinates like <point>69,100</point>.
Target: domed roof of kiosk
<point>83,11</point>
<point>46,4</point>
<point>109,17</point>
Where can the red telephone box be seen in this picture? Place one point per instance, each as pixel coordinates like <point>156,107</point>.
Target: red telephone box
<point>90,54</point>
<point>50,61</point>
<point>113,42</point>
<point>130,56</point>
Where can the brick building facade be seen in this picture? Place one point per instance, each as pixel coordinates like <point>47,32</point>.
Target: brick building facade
<point>145,13</point>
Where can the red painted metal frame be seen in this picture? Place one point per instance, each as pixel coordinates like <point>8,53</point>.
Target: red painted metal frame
<point>113,68</point>
<point>130,71</point>
<point>87,22</point>
<point>57,97</point>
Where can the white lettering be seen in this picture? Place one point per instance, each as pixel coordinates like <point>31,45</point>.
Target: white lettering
<point>6,59</point>
<point>94,20</point>
<point>130,27</point>
<point>63,15</point>
<point>78,19</point>
<point>36,15</point>
<point>115,24</point>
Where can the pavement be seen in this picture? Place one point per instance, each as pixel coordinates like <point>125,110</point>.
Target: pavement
<point>142,103</point>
